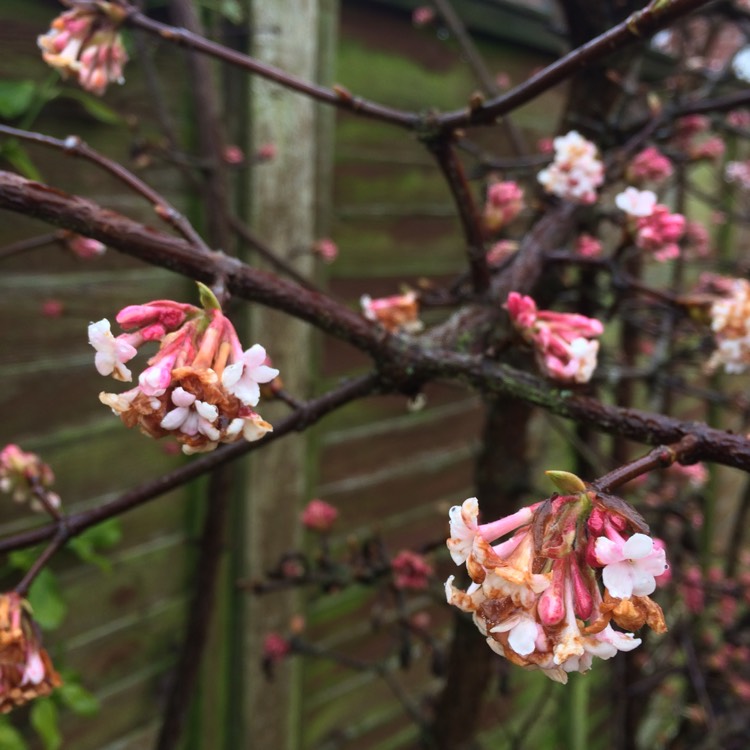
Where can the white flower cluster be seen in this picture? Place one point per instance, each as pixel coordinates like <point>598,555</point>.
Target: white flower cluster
<point>576,171</point>
<point>730,322</point>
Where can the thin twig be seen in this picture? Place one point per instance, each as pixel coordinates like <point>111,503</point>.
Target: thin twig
<point>74,146</point>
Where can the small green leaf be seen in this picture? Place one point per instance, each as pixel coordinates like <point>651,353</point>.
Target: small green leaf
<point>46,602</point>
<point>77,699</point>
<point>44,721</point>
<point>94,106</point>
<point>102,536</point>
<point>15,98</point>
<point>23,559</point>
<point>566,482</point>
<point>10,739</point>
<point>207,298</point>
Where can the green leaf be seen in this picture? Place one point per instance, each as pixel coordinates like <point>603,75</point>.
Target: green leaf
<point>566,482</point>
<point>102,536</point>
<point>77,699</point>
<point>46,602</point>
<point>23,559</point>
<point>10,739</point>
<point>15,98</point>
<point>44,721</point>
<point>94,106</point>
<point>20,160</point>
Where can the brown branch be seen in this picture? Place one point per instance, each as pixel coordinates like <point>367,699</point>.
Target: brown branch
<point>311,412</point>
<point>641,24</point>
<point>202,608</point>
<point>402,362</point>
<point>74,146</point>
<point>453,171</point>
<point>337,97</point>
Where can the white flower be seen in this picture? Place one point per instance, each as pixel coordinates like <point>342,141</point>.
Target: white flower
<point>576,171</point>
<point>741,64</point>
<point>636,202</point>
<point>111,353</point>
<point>191,416</point>
<point>242,378</point>
<point>463,529</point>
<point>522,630</point>
<point>630,566</point>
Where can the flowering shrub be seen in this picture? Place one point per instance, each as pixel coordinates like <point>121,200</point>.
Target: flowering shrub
<point>555,244</point>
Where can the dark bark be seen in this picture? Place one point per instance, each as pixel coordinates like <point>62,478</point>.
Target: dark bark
<point>502,482</point>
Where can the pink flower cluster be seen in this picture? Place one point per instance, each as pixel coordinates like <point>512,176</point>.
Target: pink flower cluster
<point>576,172</point>
<point>563,342</point>
<point>23,475</point>
<point>536,596</point>
<point>649,165</point>
<point>200,387</point>
<point>397,313</point>
<point>85,41</point>
<point>504,202</point>
<point>410,571</point>
<point>658,233</point>
<point>588,246</point>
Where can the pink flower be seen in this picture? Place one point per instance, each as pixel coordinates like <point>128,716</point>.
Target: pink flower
<point>319,515</point>
<point>563,342</point>
<point>545,145</point>
<point>233,154</point>
<point>659,232</point>
<point>275,647</point>
<point>504,203</point>
<point>52,308</point>
<point>85,41</point>
<point>199,387</point>
<point>23,473</point>
<point>501,251</point>
<point>535,596</point>
<point>503,80</point>
<point>709,148</point>
<point>397,313</point>
<point>410,571</point>
<point>464,527</point>
<point>422,16</point>
<point>637,203</point>
<point>649,165</point>
<point>266,152</point>
<point>588,246</point>
<point>326,249</point>
<point>630,566</point>
<point>697,237</point>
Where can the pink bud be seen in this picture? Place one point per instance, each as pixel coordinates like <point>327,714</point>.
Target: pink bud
<point>551,607</point>
<point>319,516</point>
<point>582,597</point>
<point>275,647</point>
